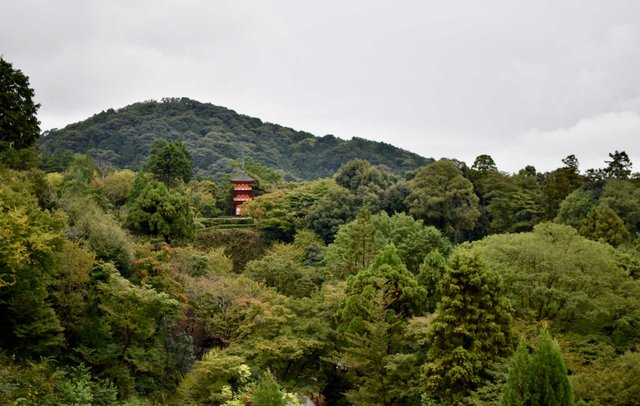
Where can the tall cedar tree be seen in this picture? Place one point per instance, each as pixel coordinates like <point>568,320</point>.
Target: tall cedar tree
<point>472,327</point>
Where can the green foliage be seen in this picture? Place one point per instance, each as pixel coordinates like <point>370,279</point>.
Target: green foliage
<point>471,329</point>
<point>29,238</point>
<point>169,162</point>
<point>442,197</point>
<point>128,342</point>
<point>412,238</point>
<point>623,197</point>
<point>372,321</point>
<point>603,224</point>
<point>97,230</point>
<point>115,186</point>
<point>215,137</point>
<point>610,381</point>
<point>354,247</point>
<point>19,126</point>
<point>320,206</point>
<point>484,163</point>
<point>159,211</point>
<point>539,378</point>
<point>366,182</point>
<point>557,185</point>
<point>44,383</point>
<point>575,207</point>
<point>241,246</point>
<point>267,392</point>
<point>215,379</point>
<point>282,269</point>
<point>619,167</point>
<point>553,273</point>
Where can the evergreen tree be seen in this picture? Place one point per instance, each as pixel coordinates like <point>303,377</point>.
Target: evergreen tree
<point>472,327</point>
<point>169,162</point>
<point>268,392</point>
<point>539,378</point>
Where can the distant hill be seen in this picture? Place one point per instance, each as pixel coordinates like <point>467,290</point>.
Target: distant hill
<point>215,136</point>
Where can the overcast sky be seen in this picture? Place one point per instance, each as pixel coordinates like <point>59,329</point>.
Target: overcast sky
<point>526,81</point>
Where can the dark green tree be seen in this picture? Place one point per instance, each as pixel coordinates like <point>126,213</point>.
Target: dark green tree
<point>19,127</point>
<point>619,167</point>
<point>471,329</point>
<point>169,162</point>
<point>484,163</point>
<point>442,197</point>
<point>555,186</point>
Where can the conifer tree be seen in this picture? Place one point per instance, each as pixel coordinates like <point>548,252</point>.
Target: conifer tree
<point>268,392</point>
<point>470,330</point>
<point>539,378</point>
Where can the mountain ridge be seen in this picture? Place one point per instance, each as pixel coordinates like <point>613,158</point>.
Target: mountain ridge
<point>216,136</point>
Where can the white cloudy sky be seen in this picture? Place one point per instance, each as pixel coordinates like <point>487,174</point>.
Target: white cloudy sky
<point>528,82</point>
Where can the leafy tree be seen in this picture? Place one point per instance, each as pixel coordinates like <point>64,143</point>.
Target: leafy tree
<point>365,181</point>
<point>127,339</point>
<point>554,274</point>
<point>619,167</point>
<point>169,162</point>
<point>320,206</point>
<point>484,163</point>
<point>623,197</point>
<point>557,184</point>
<point>215,379</point>
<point>328,213</point>
<point>471,329</point>
<point>354,247</point>
<point>268,392</point>
<point>282,269</point>
<point>575,207</point>
<point>29,239</point>
<point>539,378</point>
<point>603,224</point>
<point>19,126</point>
<point>158,211</point>
<point>609,380</point>
<point>413,240</point>
<point>442,197</point>
<point>115,186</point>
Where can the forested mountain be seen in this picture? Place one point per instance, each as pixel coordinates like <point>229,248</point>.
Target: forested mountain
<point>215,136</point>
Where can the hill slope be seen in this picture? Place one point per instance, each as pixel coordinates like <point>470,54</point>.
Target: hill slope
<point>215,136</point>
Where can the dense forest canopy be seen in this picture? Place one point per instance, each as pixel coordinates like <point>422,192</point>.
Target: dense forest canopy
<point>447,285</point>
<point>215,137</point>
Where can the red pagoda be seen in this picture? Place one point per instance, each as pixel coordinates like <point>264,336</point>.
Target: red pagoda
<point>242,191</point>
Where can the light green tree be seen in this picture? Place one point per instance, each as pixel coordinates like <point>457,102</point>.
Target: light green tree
<point>268,392</point>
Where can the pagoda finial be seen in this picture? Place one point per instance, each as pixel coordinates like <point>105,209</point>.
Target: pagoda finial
<point>243,165</point>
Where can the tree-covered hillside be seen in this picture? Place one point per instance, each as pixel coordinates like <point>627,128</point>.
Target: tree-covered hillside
<point>215,137</point>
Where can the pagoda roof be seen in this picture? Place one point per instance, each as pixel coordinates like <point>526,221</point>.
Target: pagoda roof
<point>242,178</point>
